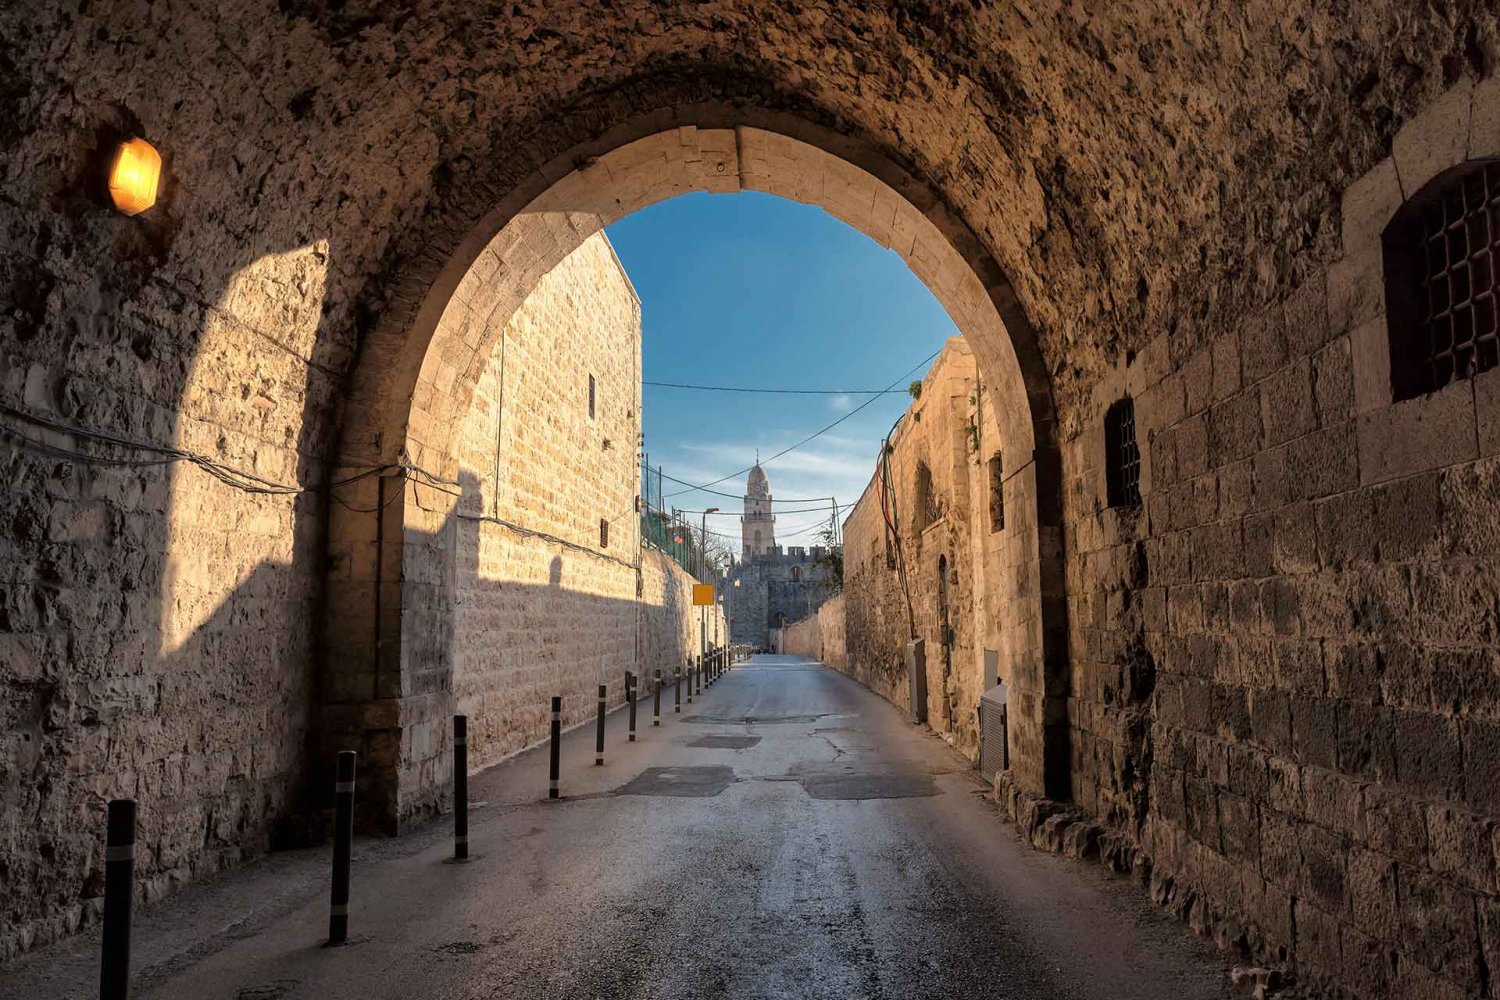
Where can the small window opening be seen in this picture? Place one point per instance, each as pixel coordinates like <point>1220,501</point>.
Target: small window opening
<point>997,494</point>
<point>1122,459</point>
<point>593,392</point>
<point>1442,282</point>
<point>928,510</point>
<point>603,533</point>
<point>796,573</point>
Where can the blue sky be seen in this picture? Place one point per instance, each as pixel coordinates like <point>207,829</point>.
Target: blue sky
<point>754,290</point>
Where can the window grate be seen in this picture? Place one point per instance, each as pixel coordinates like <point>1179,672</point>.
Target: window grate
<point>929,509</point>
<point>1442,282</point>
<point>1122,459</point>
<point>593,392</point>
<point>603,533</point>
<point>997,494</point>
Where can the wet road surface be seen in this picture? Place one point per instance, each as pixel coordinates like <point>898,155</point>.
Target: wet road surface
<point>789,835</point>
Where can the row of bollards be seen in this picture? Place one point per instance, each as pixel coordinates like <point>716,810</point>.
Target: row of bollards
<point>119,841</point>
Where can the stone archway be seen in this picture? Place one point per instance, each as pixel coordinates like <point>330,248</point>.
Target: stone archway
<point>415,382</point>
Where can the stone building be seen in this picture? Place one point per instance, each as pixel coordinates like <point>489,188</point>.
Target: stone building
<point>770,585</point>
<point>555,593</point>
<point>1247,587</point>
<point>758,524</point>
<point>924,552</point>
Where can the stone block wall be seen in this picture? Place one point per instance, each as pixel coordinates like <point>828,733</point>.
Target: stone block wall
<point>1286,661</point>
<point>543,602</point>
<point>773,588</point>
<point>538,618</point>
<point>946,439</point>
<point>154,636</point>
<point>820,635</point>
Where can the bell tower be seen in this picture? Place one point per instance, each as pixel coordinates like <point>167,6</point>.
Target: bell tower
<point>758,526</point>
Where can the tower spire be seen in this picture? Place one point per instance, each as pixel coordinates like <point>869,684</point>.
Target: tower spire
<point>758,526</point>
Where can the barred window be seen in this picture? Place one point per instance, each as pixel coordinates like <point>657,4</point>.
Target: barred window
<point>929,509</point>
<point>603,533</point>
<point>1441,280</point>
<point>592,394</point>
<point>1122,459</point>
<point>997,494</point>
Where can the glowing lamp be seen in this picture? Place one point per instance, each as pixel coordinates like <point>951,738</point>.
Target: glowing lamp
<point>135,177</point>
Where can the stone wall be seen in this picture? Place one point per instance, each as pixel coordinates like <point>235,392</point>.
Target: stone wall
<point>939,473</point>
<point>821,635</point>
<point>773,588</point>
<point>1286,662</point>
<point>155,637</point>
<point>546,604</point>
<point>543,606</point>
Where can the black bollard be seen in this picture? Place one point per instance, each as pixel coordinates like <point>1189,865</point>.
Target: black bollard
<point>677,691</point>
<point>343,847</point>
<point>656,695</point>
<point>630,697</point>
<point>460,787</point>
<point>690,682</point>
<point>556,761</point>
<point>699,675</point>
<point>599,733</point>
<point>119,888</point>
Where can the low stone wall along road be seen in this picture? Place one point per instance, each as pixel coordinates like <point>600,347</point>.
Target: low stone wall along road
<point>787,835</point>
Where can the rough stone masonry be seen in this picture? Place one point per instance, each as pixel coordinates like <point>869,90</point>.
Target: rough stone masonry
<point>1273,678</point>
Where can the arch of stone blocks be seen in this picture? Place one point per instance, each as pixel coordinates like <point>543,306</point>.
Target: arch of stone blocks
<point>410,395</point>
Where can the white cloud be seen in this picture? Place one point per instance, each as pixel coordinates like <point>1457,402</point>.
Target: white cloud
<point>840,403</point>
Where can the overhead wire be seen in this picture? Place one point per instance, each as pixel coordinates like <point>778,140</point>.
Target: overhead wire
<point>783,392</point>
<point>799,510</point>
<point>734,496</point>
<point>233,476</point>
<point>815,434</point>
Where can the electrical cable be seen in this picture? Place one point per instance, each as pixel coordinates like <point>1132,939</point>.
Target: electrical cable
<point>786,392</point>
<point>810,437</point>
<point>799,510</point>
<point>734,496</point>
<point>240,479</point>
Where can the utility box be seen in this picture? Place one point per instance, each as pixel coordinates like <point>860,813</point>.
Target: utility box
<point>994,735</point>
<point>916,679</point>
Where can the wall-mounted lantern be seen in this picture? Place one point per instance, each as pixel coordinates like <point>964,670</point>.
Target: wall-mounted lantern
<point>135,177</point>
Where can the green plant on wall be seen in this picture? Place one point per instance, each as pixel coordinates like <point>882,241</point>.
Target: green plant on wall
<point>831,561</point>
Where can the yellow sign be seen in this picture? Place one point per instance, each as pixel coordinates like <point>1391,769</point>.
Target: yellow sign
<point>703,594</point>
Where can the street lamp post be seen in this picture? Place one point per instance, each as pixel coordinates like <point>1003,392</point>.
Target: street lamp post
<point>730,610</point>
<point>703,575</point>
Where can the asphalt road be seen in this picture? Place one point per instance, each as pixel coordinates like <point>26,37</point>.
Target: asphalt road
<point>789,835</point>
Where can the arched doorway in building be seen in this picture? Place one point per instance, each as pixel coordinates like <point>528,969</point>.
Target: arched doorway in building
<point>414,385</point>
